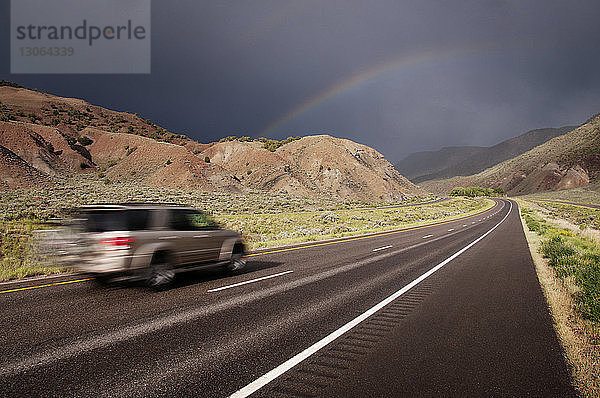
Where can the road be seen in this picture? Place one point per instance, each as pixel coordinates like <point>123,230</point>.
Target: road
<point>453,309</point>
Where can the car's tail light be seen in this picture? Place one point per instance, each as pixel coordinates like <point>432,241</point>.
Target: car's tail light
<point>118,243</point>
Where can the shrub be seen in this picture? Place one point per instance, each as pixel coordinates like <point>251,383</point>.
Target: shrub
<point>85,140</point>
<point>169,162</point>
<point>131,150</point>
<point>207,159</point>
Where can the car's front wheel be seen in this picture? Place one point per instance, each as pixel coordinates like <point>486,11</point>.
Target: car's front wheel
<point>237,261</point>
<point>160,273</point>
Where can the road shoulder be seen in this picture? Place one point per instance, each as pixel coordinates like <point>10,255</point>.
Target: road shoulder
<point>579,343</point>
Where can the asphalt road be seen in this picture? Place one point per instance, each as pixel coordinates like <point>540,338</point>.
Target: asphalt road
<point>453,309</point>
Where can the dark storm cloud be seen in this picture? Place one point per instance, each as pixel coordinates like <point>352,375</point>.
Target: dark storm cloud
<point>493,69</point>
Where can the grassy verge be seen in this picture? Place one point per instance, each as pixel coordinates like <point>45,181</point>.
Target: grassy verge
<point>18,259</point>
<point>568,267</point>
<point>582,216</point>
<point>266,226</point>
<point>268,230</point>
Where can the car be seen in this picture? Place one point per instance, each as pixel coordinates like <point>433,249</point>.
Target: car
<point>151,242</point>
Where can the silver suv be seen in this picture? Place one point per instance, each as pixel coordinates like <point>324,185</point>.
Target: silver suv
<point>152,242</point>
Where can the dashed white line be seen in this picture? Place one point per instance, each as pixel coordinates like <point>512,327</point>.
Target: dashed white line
<point>250,281</point>
<point>451,229</point>
<point>464,225</point>
<point>473,222</point>
<point>427,236</point>
<point>382,248</point>
<point>295,360</point>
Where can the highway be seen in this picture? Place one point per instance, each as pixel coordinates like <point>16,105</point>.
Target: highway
<point>452,309</point>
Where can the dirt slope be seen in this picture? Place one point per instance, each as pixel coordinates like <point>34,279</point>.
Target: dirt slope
<point>564,162</point>
<point>60,137</point>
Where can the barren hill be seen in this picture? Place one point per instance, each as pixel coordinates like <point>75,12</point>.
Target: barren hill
<point>47,137</point>
<point>568,161</point>
<point>468,160</point>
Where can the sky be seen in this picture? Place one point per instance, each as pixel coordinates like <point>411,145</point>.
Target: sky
<point>399,76</point>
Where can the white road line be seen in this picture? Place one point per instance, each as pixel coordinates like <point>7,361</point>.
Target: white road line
<point>427,236</point>
<point>473,222</point>
<point>382,248</point>
<point>451,229</point>
<point>250,281</point>
<point>464,225</point>
<point>295,360</point>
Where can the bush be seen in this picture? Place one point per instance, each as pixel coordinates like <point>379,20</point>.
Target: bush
<point>85,140</point>
<point>207,159</point>
<point>131,150</point>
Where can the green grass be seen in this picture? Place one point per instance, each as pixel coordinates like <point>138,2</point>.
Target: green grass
<point>266,219</point>
<point>18,259</point>
<point>573,258</point>
<point>582,216</point>
<point>267,230</point>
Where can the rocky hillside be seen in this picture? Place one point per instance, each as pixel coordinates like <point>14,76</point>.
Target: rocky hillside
<point>45,138</point>
<point>468,160</point>
<point>568,161</point>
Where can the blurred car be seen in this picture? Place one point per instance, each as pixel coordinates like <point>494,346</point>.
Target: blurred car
<point>151,242</point>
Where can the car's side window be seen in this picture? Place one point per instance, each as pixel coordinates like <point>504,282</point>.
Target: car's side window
<point>201,221</point>
<point>189,220</point>
<point>178,220</point>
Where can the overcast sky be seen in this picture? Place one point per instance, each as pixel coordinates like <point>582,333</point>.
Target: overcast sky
<point>400,76</point>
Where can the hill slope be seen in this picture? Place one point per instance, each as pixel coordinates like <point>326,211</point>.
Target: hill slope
<point>467,160</point>
<point>47,138</point>
<point>568,161</point>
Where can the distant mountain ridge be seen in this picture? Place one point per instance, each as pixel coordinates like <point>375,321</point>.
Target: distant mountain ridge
<point>44,138</point>
<point>567,161</point>
<point>467,160</point>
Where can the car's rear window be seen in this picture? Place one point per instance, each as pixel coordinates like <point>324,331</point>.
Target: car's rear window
<point>116,220</point>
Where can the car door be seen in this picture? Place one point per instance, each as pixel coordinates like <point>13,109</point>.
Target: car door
<point>208,236</point>
<point>182,236</point>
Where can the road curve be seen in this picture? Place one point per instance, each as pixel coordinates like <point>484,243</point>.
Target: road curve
<point>452,309</point>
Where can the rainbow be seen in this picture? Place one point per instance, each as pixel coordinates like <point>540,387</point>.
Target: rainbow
<point>363,76</point>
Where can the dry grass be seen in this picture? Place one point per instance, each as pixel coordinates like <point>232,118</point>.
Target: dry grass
<point>579,337</point>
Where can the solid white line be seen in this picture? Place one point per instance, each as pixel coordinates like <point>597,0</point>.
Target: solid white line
<point>295,360</point>
<point>464,225</point>
<point>451,229</point>
<point>382,248</point>
<point>250,281</point>
<point>427,236</point>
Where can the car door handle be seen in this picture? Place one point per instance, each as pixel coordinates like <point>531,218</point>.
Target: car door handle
<point>168,237</point>
<point>200,236</point>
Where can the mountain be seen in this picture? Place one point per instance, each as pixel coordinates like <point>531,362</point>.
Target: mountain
<point>467,160</point>
<point>45,138</point>
<point>567,161</point>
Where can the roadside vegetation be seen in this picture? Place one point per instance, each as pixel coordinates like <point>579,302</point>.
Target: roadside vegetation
<point>570,276</point>
<point>267,230</point>
<point>586,194</point>
<point>578,215</point>
<point>265,219</point>
<point>473,192</point>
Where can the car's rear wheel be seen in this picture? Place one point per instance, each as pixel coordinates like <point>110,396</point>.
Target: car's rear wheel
<point>160,273</point>
<point>237,261</point>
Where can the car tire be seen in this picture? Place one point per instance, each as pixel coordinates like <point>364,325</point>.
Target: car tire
<point>160,274</point>
<point>102,280</point>
<point>237,261</point>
